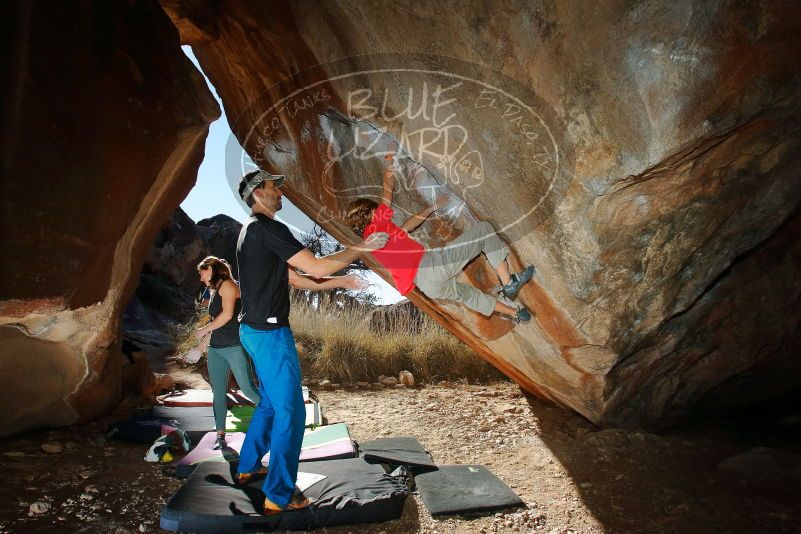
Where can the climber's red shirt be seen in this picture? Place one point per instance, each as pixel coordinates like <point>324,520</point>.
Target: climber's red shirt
<point>401,255</point>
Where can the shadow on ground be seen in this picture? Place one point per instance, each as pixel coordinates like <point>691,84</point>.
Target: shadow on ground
<point>636,481</point>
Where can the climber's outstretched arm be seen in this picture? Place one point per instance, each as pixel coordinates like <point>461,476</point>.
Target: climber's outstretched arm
<point>389,181</point>
<point>413,222</point>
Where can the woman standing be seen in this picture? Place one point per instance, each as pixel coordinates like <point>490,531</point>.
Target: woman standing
<point>225,350</point>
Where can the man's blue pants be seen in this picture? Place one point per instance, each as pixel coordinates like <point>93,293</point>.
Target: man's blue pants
<point>279,419</point>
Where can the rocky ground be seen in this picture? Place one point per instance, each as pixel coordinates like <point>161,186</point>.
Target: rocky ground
<point>572,476</point>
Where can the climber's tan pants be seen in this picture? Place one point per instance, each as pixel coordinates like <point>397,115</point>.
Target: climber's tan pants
<point>439,267</point>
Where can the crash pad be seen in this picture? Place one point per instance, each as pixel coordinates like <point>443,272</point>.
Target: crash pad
<point>142,428</point>
<point>397,451</point>
<point>191,418</point>
<point>460,489</point>
<point>322,443</point>
<point>201,397</point>
<point>239,417</point>
<point>205,397</point>
<point>351,492</point>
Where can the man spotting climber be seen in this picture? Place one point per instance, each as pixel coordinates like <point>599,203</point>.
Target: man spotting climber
<point>268,254</point>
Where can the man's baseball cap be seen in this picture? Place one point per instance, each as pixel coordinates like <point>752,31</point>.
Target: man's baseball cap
<point>257,179</point>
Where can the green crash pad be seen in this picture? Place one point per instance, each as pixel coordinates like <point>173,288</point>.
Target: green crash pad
<point>238,419</point>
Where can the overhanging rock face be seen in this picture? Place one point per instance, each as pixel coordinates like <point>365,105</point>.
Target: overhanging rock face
<point>645,157</point>
<point>104,128</point>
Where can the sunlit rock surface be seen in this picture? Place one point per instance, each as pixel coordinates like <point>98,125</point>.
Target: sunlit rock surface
<point>104,123</point>
<point>644,156</point>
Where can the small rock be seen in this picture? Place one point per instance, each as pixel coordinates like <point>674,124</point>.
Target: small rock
<point>389,381</point>
<point>325,384</point>
<point>86,497</point>
<point>39,508</point>
<point>336,385</point>
<point>142,527</point>
<point>362,385</point>
<point>762,463</point>
<point>581,433</point>
<point>406,378</point>
<point>52,447</point>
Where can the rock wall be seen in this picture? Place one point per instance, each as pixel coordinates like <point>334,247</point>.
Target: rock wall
<point>166,296</point>
<point>644,156</point>
<point>104,124</point>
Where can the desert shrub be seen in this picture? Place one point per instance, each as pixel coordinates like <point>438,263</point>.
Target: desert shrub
<point>339,343</point>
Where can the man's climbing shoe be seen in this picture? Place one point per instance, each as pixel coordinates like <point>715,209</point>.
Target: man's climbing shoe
<point>242,478</point>
<point>516,282</point>
<point>219,443</point>
<point>522,315</point>
<point>298,502</point>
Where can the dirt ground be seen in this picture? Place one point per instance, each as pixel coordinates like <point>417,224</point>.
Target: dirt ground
<point>572,476</point>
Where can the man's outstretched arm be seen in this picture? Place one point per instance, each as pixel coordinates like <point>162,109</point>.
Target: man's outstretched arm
<point>326,265</point>
<point>298,281</point>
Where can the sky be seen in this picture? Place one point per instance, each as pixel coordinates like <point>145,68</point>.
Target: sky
<point>212,193</point>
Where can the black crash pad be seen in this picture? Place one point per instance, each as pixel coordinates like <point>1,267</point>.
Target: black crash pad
<point>191,419</point>
<point>459,489</point>
<point>142,428</point>
<point>397,451</point>
<point>354,491</point>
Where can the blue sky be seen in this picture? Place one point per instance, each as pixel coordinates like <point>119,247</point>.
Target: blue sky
<point>212,193</point>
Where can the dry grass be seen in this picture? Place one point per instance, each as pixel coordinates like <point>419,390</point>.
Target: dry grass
<point>339,345</point>
<point>184,335</point>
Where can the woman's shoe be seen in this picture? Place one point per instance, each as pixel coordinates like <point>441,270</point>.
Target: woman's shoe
<point>516,282</point>
<point>220,443</point>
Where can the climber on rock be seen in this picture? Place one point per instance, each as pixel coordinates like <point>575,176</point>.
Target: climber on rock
<point>434,270</point>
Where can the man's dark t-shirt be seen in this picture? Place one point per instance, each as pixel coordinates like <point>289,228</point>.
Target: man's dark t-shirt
<point>262,250</point>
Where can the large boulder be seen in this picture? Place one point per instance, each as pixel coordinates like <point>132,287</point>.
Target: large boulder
<point>167,294</point>
<point>221,233</point>
<point>175,253</point>
<point>104,126</point>
<point>644,156</point>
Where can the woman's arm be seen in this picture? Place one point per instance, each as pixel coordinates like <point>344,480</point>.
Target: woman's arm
<point>350,281</point>
<point>228,292</point>
<point>204,344</point>
<point>389,181</point>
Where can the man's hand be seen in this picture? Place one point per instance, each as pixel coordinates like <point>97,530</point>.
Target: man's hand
<point>373,242</point>
<point>352,281</point>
